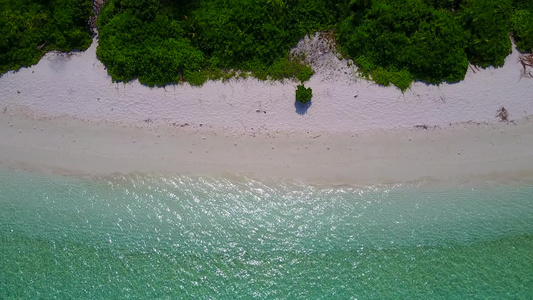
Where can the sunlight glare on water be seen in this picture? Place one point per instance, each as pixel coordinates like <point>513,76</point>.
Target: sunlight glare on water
<point>147,236</point>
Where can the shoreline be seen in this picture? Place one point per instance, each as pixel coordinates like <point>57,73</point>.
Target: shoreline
<point>462,152</point>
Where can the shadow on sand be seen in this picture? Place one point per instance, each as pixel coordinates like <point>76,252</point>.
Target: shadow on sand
<point>301,108</point>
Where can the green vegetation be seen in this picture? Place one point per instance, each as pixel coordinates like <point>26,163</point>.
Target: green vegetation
<point>167,41</point>
<point>487,27</point>
<point>395,42</point>
<point>160,42</point>
<point>303,94</point>
<point>398,41</point>
<point>28,29</point>
<point>522,22</point>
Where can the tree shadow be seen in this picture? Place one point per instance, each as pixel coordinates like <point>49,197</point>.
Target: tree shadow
<point>301,108</point>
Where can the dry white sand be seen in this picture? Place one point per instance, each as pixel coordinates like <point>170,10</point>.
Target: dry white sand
<point>65,114</point>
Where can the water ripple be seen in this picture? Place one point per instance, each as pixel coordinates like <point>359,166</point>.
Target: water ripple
<point>198,237</point>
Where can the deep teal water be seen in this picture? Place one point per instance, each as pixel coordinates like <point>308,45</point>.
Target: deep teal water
<point>154,237</point>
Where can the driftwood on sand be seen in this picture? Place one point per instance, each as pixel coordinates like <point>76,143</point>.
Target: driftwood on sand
<point>527,62</point>
<point>503,114</point>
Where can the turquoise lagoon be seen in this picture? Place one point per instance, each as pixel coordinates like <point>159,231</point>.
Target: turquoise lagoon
<point>179,237</point>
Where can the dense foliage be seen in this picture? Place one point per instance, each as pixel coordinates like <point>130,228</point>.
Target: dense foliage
<point>30,28</point>
<point>393,42</point>
<point>398,41</point>
<point>522,22</point>
<point>167,41</point>
<point>428,40</point>
<point>487,27</point>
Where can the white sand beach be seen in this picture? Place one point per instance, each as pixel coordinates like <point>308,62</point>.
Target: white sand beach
<point>65,114</point>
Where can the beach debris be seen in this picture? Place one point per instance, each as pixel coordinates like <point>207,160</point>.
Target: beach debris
<point>317,136</point>
<point>41,47</point>
<point>356,94</point>
<point>97,6</point>
<point>503,114</point>
<point>473,68</point>
<point>423,126</point>
<point>527,61</point>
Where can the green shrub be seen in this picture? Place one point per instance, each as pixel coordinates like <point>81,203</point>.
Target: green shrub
<point>289,68</point>
<point>303,94</point>
<point>402,79</point>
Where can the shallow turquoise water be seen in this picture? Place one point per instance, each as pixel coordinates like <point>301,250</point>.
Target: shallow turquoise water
<point>153,237</point>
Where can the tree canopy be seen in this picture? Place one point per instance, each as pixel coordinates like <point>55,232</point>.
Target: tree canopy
<point>206,39</point>
<point>522,24</point>
<point>392,42</point>
<point>30,28</point>
<point>395,42</point>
